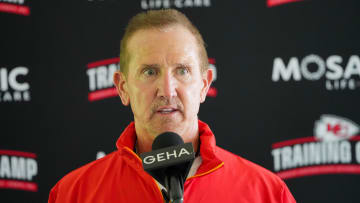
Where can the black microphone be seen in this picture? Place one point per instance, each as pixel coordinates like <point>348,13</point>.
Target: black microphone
<point>169,163</point>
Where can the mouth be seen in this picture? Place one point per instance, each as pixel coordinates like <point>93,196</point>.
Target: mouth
<point>166,110</point>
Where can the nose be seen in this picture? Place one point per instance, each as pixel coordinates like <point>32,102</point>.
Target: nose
<point>167,85</point>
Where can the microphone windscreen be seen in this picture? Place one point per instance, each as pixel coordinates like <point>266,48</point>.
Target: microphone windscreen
<point>167,139</point>
<point>170,156</point>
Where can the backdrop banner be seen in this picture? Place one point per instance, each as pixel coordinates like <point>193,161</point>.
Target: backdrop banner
<point>286,92</point>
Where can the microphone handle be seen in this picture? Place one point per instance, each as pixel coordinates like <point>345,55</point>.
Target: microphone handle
<point>176,190</point>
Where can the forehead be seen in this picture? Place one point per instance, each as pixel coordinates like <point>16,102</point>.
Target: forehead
<point>170,43</point>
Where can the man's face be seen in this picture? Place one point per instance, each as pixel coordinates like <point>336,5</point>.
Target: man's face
<point>164,84</point>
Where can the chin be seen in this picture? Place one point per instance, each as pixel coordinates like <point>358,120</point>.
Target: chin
<point>168,127</point>
<point>161,125</point>
<point>171,128</point>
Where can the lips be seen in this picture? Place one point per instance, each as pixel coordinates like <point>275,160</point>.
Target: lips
<point>166,110</point>
<point>163,106</point>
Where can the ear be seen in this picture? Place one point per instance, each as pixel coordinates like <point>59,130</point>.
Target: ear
<point>207,78</point>
<point>121,87</point>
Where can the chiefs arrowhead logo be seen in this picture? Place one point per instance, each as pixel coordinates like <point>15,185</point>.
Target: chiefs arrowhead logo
<point>333,128</point>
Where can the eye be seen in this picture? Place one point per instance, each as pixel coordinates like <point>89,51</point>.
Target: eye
<point>182,71</point>
<point>149,72</point>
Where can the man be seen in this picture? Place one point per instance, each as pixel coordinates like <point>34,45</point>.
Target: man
<point>164,77</point>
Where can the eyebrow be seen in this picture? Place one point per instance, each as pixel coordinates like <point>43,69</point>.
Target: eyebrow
<point>184,65</point>
<point>143,66</point>
<point>157,66</point>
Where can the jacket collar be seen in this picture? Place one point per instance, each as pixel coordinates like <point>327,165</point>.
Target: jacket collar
<point>208,147</point>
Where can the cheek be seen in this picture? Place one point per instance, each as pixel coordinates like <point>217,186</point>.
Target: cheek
<point>142,98</point>
<point>192,98</point>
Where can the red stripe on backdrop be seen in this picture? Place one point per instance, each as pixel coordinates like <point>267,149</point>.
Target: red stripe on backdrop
<point>293,142</point>
<point>212,92</point>
<point>102,94</point>
<point>271,3</point>
<point>304,140</point>
<point>11,8</point>
<point>355,138</point>
<point>320,170</point>
<point>18,185</point>
<point>18,153</point>
<point>103,62</point>
<point>212,61</point>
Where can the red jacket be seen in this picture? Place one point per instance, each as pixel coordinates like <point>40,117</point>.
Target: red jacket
<point>221,177</point>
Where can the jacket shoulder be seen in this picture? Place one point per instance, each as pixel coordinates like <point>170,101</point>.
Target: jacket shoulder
<point>86,174</point>
<point>245,165</point>
<point>255,177</point>
<point>89,169</point>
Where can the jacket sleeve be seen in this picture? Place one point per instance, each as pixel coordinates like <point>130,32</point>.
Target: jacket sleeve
<point>53,194</point>
<point>286,196</point>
